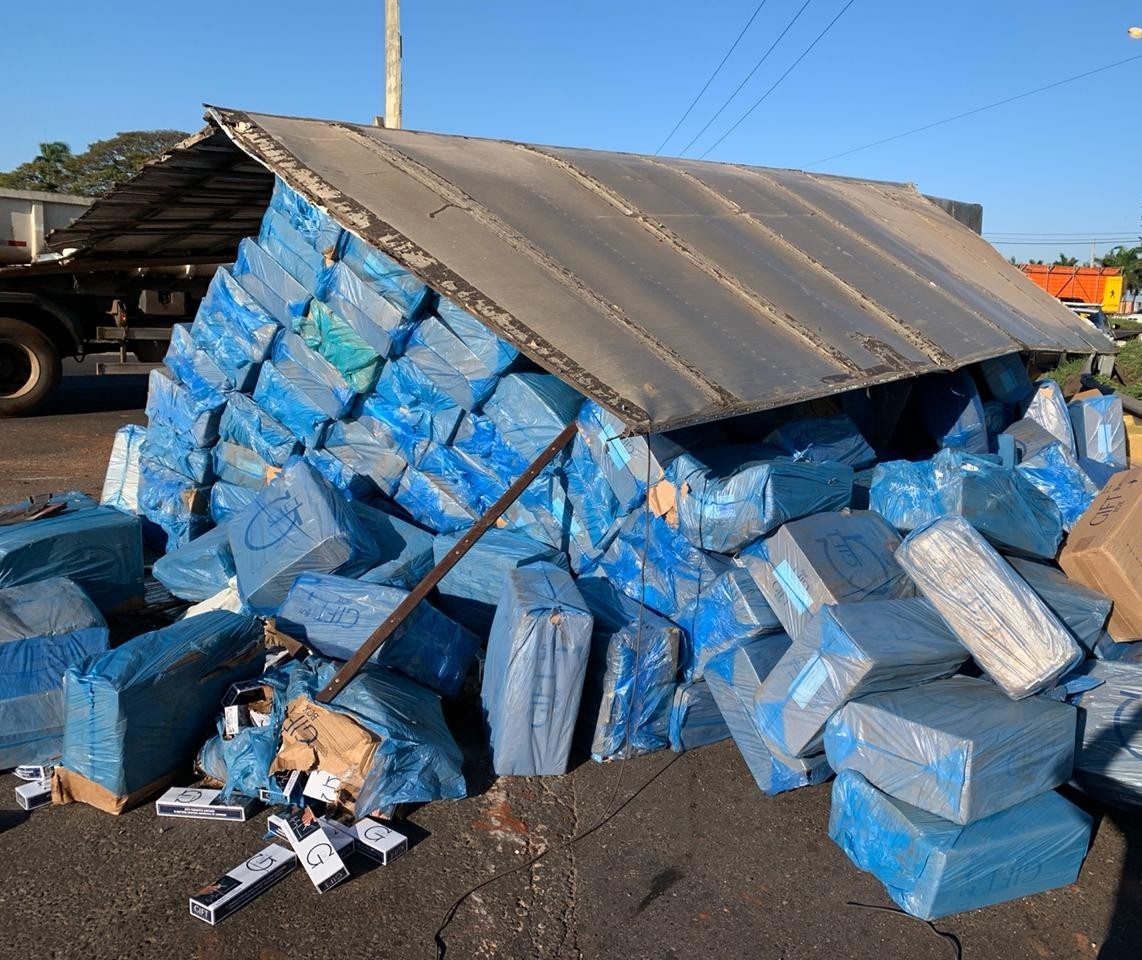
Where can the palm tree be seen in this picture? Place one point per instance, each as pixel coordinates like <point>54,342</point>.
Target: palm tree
<point>1062,260</point>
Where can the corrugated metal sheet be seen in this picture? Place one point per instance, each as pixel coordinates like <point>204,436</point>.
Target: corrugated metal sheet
<point>672,291</point>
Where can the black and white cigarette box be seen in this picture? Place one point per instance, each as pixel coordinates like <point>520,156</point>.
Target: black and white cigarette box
<point>235,889</point>
<point>201,803</point>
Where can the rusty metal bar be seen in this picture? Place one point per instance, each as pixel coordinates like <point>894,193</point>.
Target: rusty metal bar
<point>373,643</point>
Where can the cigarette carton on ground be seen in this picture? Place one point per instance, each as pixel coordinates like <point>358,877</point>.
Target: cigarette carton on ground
<point>37,771</point>
<point>37,793</point>
<point>376,840</point>
<point>235,889</point>
<point>317,845</point>
<point>198,803</point>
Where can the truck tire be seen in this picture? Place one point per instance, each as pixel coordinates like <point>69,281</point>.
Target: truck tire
<point>29,367</point>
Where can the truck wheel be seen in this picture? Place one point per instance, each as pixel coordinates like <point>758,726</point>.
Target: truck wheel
<point>29,367</point>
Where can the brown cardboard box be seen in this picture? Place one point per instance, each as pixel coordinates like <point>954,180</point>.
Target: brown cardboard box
<point>1104,551</point>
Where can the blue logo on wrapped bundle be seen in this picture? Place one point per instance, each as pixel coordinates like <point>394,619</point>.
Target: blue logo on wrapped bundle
<point>273,520</point>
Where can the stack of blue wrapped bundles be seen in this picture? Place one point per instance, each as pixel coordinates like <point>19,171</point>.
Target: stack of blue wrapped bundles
<point>531,409</point>
<point>731,612</point>
<point>234,329</point>
<point>695,720</point>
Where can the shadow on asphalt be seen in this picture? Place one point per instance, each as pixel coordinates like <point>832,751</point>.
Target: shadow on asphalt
<point>92,394</point>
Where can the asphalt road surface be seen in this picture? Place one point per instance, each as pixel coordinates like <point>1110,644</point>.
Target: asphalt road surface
<point>693,861</point>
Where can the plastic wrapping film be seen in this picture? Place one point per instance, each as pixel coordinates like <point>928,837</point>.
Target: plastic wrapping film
<point>121,483</point>
<point>1010,632</point>
<point>355,305</point>
<point>404,550</point>
<point>477,437</point>
<point>369,447</point>
<point>459,354</point>
<point>44,628</point>
<point>99,548</point>
<point>958,748</point>
<point>136,714</point>
<point>1107,648</point>
<point>1047,408</point>
<point>298,524</point>
<point>312,223</point>
<point>341,346</point>
<point>1006,377</point>
<point>1100,433</point>
<point>695,720</point>
<point>412,405</point>
<point>321,382</point>
<point>432,503</point>
<point>734,678</point>
<point>227,500</point>
<point>168,449</point>
<point>471,590</point>
<point>824,440</point>
<point>727,497</point>
<point>194,419</point>
<point>864,648</point>
<point>1099,472</point>
<point>384,275</point>
<point>307,265</point>
<point>199,569</point>
<point>246,424</point>
<point>1082,610</point>
<point>592,501</point>
<point>1108,760</point>
<point>531,409</point>
<point>553,509</point>
<point>731,612</point>
<point>234,463</point>
<point>629,688</point>
<point>1055,471</point>
<point>335,615</point>
<point>826,558</point>
<point>351,484</point>
<point>951,411</point>
<point>295,400</point>
<point>998,501</point>
<point>268,282</point>
<point>534,672</point>
<point>193,366</point>
<point>179,506</point>
<point>234,329</point>
<point>932,868</point>
<point>462,477</point>
<point>1028,438</point>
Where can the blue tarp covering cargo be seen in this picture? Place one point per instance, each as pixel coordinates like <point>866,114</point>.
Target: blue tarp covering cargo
<point>135,715</point>
<point>299,523</point>
<point>245,423</point>
<point>958,748</point>
<point>727,497</point>
<point>932,867</point>
<point>369,447</point>
<point>534,671</point>
<point>121,483</point>
<point>732,611</point>
<point>827,558</point>
<point>1100,433</point>
<point>45,627</point>
<point>227,500</point>
<point>268,282</point>
<point>412,404</point>
<point>734,678</point>
<point>951,411</point>
<point>199,569</point>
<point>824,440</point>
<point>1055,472</point>
<point>999,501</point>
<point>530,409</point>
<point>193,366</point>
<point>100,548</point>
<point>167,448</point>
<point>234,329</point>
<point>340,345</point>
<point>627,696</point>
<point>385,275</point>
<point>1006,377</point>
<point>1010,632</point>
<point>335,615</point>
<point>194,419</point>
<point>1047,408</point>
<point>864,648</point>
<point>179,506</point>
<point>695,720</point>
<point>404,550</point>
<point>1108,760</point>
<point>234,463</point>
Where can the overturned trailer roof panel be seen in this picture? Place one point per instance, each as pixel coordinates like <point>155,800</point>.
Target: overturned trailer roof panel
<point>672,291</point>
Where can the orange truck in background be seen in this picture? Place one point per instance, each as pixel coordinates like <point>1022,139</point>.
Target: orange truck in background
<point>1100,285</point>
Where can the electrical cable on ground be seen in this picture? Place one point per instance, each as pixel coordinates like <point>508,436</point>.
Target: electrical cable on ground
<point>951,938</point>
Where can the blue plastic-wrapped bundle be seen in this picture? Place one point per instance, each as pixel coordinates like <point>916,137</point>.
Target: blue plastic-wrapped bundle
<point>695,720</point>
<point>734,678</point>
<point>199,569</point>
<point>1047,408</point>
<point>404,549</point>
<point>471,590</point>
<point>1006,377</point>
<point>477,437</point>
<point>958,748</point>
<point>298,524</point>
<point>1100,433</point>
<point>169,449</point>
<point>464,478</point>
<point>432,504</point>
<point>307,265</point>
<point>629,688</point>
<point>234,329</point>
<point>730,496</point>
<point>340,345</point>
<point>234,463</point>
<point>823,440</point>
<point>312,223</point>
<point>864,648</point>
<point>996,419</point>
<point>351,484</point>
<point>531,409</point>
<point>1108,760</point>
<point>268,282</point>
<point>195,419</point>
<point>932,867</point>
<point>370,449</point>
<point>45,627</point>
<point>1010,632</point>
<point>731,612</point>
<point>227,500</point>
<point>356,305</point>
<point>534,671</point>
<point>121,482</point>
<point>384,275</point>
<point>548,510</point>
<point>999,501</point>
<point>1055,472</point>
<point>99,548</point>
<point>951,411</point>
<point>176,504</point>
<point>1098,472</point>
<point>193,366</point>
<point>459,354</point>
<point>135,715</point>
<point>324,384</point>
<point>335,615</point>
<point>1082,610</point>
<point>295,400</point>
<point>592,501</point>
<point>412,404</point>
<point>823,559</point>
<point>246,424</point>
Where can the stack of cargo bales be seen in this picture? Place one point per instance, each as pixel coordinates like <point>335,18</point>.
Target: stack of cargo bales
<point>252,448</point>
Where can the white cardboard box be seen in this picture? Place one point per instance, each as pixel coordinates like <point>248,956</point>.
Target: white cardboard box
<point>378,841</point>
<point>35,793</point>
<point>322,785</point>
<point>318,846</point>
<point>37,771</point>
<point>200,803</point>
<point>234,890</point>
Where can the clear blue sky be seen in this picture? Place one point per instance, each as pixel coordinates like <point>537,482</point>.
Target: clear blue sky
<point>618,75</point>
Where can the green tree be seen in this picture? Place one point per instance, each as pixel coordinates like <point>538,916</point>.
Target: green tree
<point>1062,260</point>
<point>1129,261</point>
<point>97,170</point>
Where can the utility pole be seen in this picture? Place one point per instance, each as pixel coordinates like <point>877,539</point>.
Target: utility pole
<point>1092,253</point>
<point>393,85</point>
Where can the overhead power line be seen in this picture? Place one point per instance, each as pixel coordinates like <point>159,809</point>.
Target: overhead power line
<point>973,112</point>
<point>1061,243</point>
<point>776,83</point>
<point>706,85</point>
<point>748,77</point>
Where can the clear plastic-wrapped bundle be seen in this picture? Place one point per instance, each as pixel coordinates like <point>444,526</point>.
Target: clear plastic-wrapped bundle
<point>734,678</point>
<point>370,449</point>
<point>1006,377</point>
<point>826,558</point>
<point>1054,471</point>
<point>823,440</point>
<point>1108,760</point>
<point>178,505</point>
<point>1100,433</point>
<point>193,366</point>
<point>629,689</point>
<point>1010,632</point>
<point>404,550</point>
<point>531,409</point>
<point>268,282</point>
<point>170,450</point>
<point>729,496</point>
<point>534,671</point>
<point>199,569</point>
<point>695,720</point>
<point>1047,408</point>
<point>958,748</point>
<point>234,329</point>
<point>731,612</point>
<point>121,482</point>
<point>416,409</point>
<point>245,423</point>
<point>44,628</point>
<point>1082,610</point>
<point>385,276</point>
<point>227,500</point>
<point>195,419</point>
<point>864,648</point>
<point>234,463</point>
<point>951,411</point>
<point>932,867</point>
